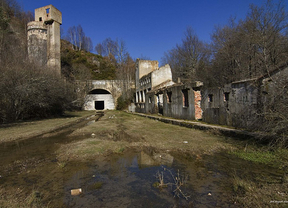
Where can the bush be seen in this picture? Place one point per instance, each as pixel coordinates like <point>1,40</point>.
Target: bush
<point>122,103</point>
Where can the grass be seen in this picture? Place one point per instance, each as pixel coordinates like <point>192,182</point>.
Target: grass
<point>117,131</point>
<point>275,158</point>
<point>33,128</point>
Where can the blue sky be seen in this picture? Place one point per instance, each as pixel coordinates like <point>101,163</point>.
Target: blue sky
<point>148,27</point>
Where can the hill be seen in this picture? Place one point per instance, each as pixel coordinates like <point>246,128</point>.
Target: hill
<point>83,65</point>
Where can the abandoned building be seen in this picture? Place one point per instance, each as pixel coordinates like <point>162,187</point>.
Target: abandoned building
<point>157,93</point>
<point>43,37</point>
<point>239,103</point>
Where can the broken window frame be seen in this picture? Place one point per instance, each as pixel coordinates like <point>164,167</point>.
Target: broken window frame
<point>210,98</point>
<point>185,98</point>
<point>169,97</point>
<point>226,96</point>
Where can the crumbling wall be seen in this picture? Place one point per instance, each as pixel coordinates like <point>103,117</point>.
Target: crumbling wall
<point>161,75</point>
<point>37,42</point>
<point>234,105</point>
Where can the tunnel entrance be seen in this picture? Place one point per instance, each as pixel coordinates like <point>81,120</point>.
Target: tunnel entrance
<point>99,99</point>
<point>99,105</point>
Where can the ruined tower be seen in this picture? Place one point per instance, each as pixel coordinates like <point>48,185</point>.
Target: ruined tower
<point>44,38</point>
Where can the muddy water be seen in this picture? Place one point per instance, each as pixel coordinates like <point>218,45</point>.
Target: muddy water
<point>126,180</point>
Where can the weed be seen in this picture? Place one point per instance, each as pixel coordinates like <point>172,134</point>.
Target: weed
<point>265,157</point>
<point>176,184</point>
<point>62,164</point>
<point>34,199</point>
<point>121,149</point>
<point>96,186</point>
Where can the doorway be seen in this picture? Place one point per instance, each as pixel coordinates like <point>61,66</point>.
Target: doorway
<point>99,105</point>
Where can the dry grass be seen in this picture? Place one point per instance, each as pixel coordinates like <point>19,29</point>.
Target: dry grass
<point>118,130</point>
<point>29,129</point>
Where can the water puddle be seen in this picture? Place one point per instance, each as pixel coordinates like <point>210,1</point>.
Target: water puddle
<point>136,178</point>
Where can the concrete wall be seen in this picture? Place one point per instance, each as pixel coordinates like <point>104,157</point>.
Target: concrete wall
<point>37,42</point>
<point>144,67</point>
<point>90,99</point>
<point>161,75</point>
<point>113,87</point>
<point>176,101</point>
<point>47,14</point>
<point>234,105</point>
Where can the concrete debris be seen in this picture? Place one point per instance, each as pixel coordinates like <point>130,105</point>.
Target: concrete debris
<point>76,192</point>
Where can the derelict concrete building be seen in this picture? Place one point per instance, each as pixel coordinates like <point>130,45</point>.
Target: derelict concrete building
<point>157,93</point>
<point>44,38</point>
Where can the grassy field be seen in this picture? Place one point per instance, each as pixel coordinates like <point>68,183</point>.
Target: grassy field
<point>28,129</point>
<point>117,131</point>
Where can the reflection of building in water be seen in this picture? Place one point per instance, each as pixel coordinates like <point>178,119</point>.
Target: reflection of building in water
<point>155,160</point>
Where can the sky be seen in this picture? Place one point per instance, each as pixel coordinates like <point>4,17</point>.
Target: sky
<point>148,27</point>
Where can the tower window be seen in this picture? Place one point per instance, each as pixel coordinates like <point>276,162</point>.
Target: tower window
<point>40,19</point>
<point>48,11</point>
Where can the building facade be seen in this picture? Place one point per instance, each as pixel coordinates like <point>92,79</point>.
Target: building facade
<point>156,93</point>
<point>242,103</point>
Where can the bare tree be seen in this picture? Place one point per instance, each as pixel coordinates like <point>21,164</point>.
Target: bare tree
<point>87,44</point>
<point>72,37</point>
<point>76,36</point>
<point>99,49</point>
<point>253,46</point>
<point>187,59</point>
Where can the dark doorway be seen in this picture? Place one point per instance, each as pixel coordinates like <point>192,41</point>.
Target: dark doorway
<point>99,105</point>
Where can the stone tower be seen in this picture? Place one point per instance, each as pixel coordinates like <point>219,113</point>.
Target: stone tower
<point>44,38</point>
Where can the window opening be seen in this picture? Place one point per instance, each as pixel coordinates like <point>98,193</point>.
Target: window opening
<point>48,11</point>
<point>185,98</point>
<point>137,98</point>
<point>226,96</point>
<point>40,19</point>
<point>150,99</point>
<point>210,98</point>
<point>169,96</point>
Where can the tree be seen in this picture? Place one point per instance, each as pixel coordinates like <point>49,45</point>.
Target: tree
<point>99,49</point>
<point>253,46</point>
<point>26,91</point>
<point>189,58</point>
<point>76,36</point>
